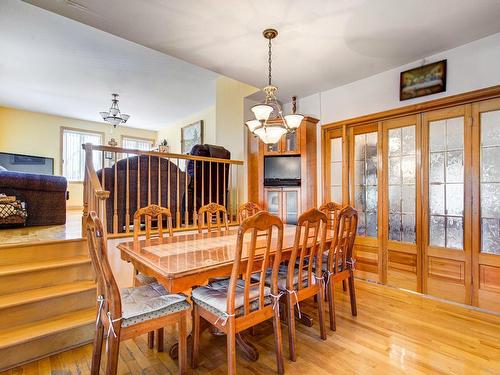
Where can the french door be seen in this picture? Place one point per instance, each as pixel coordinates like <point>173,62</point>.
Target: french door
<point>401,209</point>
<point>486,204</point>
<point>365,172</point>
<point>336,170</point>
<point>446,159</point>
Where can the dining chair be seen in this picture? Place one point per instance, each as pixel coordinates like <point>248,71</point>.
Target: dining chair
<point>340,264</point>
<point>302,277</point>
<point>147,215</point>
<point>237,304</point>
<point>129,312</point>
<point>246,210</point>
<point>331,210</point>
<point>208,211</point>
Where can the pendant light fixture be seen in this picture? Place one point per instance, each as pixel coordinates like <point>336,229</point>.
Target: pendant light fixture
<point>268,131</point>
<point>114,116</point>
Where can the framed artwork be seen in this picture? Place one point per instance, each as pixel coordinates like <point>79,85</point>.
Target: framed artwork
<point>424,80</point>
<point>191,135</point>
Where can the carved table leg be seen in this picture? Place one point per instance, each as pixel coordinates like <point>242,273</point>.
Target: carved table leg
<point>174,349</point>
<point>249,350</point>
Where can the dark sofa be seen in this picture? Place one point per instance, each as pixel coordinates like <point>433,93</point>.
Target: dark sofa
<point>145,173</point>
<point>45,195</point>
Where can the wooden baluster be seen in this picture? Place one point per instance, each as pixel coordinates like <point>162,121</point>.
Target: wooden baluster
<point>218,195</point>
<point>103,170</point>
<point>85,212</point>
<point>237,187</point>
<point>177,205</point>
<point>115,196</point>
<point>138,182</point>
<point>230,193</point>
<point>168,182</point>
<point>210,181</point>
<point>159,181</point>
<point>202,183</point>
<point>194,194</point>
<point>149,180</point>
<point>186,213</point>
<point>127,197</point>
<point>224,185</point>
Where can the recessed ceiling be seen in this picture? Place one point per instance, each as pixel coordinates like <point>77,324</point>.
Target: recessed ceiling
<point>52,64</point>
<point>321,43</point>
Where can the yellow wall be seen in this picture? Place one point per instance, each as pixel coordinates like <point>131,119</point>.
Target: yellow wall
<point>39,134</point>
<point>172,132</point>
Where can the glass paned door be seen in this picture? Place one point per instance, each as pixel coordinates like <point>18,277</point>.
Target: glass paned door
<point>486,195</point>
<point>336,170</point>
<point>447,207</point>
<point>400,208</point>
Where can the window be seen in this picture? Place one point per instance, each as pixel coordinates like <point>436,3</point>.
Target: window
<point>137,143</point>
<point>336,170</point>
<point>73,157</point>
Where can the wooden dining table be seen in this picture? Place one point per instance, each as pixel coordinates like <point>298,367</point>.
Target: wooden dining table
<point>187,260</point>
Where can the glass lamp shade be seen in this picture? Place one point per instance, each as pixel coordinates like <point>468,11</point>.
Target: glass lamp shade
<point>293,121</point>
<point>104,115</point>
<point>114,120</point>
<point>270,134</point>
<point>113,111</point>
<point>262,111</point>
<point>125,117</point>
<point>252,125</point>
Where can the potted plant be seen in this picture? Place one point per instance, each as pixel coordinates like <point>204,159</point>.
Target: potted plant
<point>163,146</point>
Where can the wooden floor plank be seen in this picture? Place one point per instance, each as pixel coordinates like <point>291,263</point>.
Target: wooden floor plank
<point>396,332</point>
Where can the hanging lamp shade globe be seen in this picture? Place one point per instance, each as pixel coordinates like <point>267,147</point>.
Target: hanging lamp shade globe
<point>262,111</point>
<point>294,121</point>
<point>253,124</point>
<point>270,134</point>
<point>114,116</point>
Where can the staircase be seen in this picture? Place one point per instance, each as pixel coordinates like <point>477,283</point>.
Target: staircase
<point>47,299</point>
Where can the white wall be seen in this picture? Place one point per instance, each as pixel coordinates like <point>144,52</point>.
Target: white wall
<point>172,132</point>
<point>470,67</point>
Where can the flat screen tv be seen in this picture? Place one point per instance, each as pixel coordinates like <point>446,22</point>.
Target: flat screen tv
<point>27,163</point>
<point>282,170</point>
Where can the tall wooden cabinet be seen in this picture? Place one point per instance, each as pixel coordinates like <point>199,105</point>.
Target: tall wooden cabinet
<point>285,201</point>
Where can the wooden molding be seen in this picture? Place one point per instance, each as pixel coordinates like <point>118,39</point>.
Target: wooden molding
<point>448,101</point>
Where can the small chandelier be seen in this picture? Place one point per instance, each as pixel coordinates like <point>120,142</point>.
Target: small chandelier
<point>271,132</point>
<point>114,116</point>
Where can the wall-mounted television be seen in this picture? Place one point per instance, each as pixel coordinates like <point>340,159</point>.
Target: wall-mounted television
<point>282,170</point>
<point>27,163</point>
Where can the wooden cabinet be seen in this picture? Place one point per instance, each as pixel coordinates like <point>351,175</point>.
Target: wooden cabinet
<point>283,202</point>
<point>286,202</point>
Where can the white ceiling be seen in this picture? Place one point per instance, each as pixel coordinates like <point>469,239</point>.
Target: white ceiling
<point>52,64</point>
<point>322,43</point>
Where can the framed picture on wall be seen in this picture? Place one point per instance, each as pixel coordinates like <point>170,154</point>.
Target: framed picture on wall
<point>424,80</point>
<point>191,135</point>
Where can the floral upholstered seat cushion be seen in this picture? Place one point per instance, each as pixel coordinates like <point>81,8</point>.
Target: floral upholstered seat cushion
<point>282,277</point>
<point>148,302</point>
<point>213,297</point>
<point>144,279</point>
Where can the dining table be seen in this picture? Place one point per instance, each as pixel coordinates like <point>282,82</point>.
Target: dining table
<point>189,259</point>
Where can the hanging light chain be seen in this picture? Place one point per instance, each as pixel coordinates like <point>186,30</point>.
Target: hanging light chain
<point>269,61</point>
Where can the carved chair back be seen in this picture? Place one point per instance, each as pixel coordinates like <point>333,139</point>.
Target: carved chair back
<point>106,283</point>
<point>265,246</point>
<point>340,256</point>
<point>246,210</point>
<point>208,211</point>
<point>331,210</point>
<point>150,213</point>
<point>307,251</point>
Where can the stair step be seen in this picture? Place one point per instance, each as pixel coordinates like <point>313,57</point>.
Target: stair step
<point>33,275</point>
<point>40,294</point>
<point>29,342</point>
<point>43,328</point>
<point>42,265</point>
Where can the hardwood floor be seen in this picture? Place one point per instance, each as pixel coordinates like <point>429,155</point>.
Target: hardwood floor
<point>395,332</point>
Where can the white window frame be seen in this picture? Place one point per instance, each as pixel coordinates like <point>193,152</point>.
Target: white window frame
<point>81,156</point>
<point>138,139</point>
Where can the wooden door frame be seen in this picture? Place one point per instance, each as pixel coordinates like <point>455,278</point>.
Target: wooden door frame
<point>340,132</point>
<point>465,254</point>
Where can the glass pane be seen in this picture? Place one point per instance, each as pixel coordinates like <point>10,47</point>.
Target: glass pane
<point>437,231</point>
<point>336,193</point>
<point>490,182</point>
<point>408,199</point>
<point>446,182</point>
<point>336,149</point>
<point>395,142</point>
<point>291,142</point>
<point>395,227</point>
<point>395,198</point>
<point>365,181</point>
<point>409,230</point>
<point>408,169</point>
<point>336,174</point>
<point>394,170</point>
<point>336,170</point>
<point>291,203</point>
<point>273,202</point>
<point>408,141</point>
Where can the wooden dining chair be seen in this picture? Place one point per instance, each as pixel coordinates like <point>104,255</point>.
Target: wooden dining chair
<point>237,304</point>
<point>340,265</point>
<point>147,215</point>
<point>303,278</point>
<point>129,312</point>
<point>246,210</point>
<point>208,211</point>
<point>331,210</point>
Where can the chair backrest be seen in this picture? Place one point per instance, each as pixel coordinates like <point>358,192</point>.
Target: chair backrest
<point>150,213</point>
<point>246,210</point>
<point>307,250</point>
<point>331,210</point>
<point>106,283</point>
<point>261,247</point>
<point>344,234</point>
<point>220,217</point>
